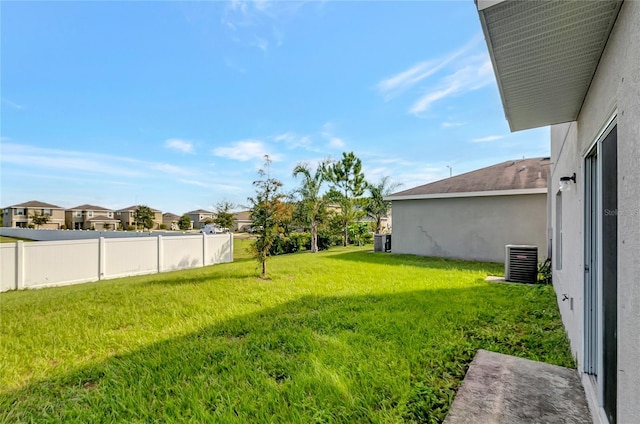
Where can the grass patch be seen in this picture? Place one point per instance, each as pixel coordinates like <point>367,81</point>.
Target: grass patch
<point>241,248</point>
<point>340,336</point>
<point>5,239</point>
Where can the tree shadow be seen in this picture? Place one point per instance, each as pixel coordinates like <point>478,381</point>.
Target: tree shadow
<point>367,358</point>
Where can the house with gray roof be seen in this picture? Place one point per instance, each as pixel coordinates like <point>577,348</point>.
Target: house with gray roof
<point>200,217</point>
<point>170,220</point>
<point>90,217</point>
<point>474,215</point>
<point>20,215</point>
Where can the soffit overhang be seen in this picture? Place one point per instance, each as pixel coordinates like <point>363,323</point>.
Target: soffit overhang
<point>545,54</point>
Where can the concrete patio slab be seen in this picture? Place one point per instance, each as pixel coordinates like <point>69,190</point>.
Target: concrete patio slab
<point>505,389</point>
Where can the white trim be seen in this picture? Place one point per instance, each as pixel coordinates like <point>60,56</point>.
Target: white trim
<point>515,192</point>
<point>484,4</point>
<point>604,130</point>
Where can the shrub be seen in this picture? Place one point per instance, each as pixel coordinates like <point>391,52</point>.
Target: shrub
<point>163,226</point>
<point>292,243</point>
<point>544,272</point>
<point>326,239</point>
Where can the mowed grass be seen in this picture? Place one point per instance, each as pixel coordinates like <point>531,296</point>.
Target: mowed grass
<point>340,336</point>
<point>241,245</point>
<point>5,239</point>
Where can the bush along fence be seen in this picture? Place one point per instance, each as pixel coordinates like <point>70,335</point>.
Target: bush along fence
<point>56,263</point>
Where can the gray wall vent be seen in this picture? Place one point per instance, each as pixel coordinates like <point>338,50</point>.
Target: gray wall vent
<point>521,263</point>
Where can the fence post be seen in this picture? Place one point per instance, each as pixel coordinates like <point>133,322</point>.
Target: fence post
<point>19,265</point>
<point>204,249</point>
<point>101,258</point>
<point>160,253</point>
<point>230,246</point>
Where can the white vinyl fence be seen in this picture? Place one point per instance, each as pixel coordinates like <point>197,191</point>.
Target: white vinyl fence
<point>52,235</point>
<point>56,263</point>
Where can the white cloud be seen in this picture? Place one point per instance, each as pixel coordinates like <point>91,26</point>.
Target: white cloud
<point>195,183</point>
<point>258,23</point>
<point>452,124</point>
<point>13,105</point>
<point>399,83</point>
<point>261,43</point>
<point>293,141</point>
<point>392,161</point>
<point>487,138</point>
<point>170,169</point>
<point>38,158</point>
<point>475,74</point>
<point>245,150</point>
<point>327,132</point>
<point>178,144</point>
<point>336,143</point>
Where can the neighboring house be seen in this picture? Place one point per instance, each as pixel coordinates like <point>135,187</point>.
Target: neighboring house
<point>19,215</point>
<point>474,215</point>
<point>128,221</point>
<point>90,217</point>
<point>242,221</point>
<point>170,220</point>
<point>575,65</point>
<point>200,217</point>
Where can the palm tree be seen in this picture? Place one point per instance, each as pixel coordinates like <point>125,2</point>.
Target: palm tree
<point>375,206</point>
<point>312,204</point>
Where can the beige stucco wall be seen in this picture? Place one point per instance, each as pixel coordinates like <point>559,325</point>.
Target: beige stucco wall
<point>616,86</point>
<point>476,228</point>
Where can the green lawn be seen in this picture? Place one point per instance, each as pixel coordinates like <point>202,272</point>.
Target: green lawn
<point>5,239</point>
<point>341,336</point>
<point>241,248</point>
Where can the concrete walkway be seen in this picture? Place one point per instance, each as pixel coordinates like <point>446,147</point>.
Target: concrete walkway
<point>504,389</point>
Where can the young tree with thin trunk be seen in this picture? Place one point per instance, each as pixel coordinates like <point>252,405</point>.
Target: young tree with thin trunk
<point>269,213</point>
<point>347,184</point>
<point>39,219</point>
<point>312,206</point>
<point>375,206</point>
<point>224,217</point>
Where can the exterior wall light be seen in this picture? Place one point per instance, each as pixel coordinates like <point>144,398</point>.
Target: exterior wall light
<point>565,182</point>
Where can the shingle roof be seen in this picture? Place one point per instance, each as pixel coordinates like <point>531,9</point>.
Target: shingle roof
<point>135,208</point>
<point>36,204</point>
<point>520,174</point>
<point>89,208</point>
<point>171,216</point>
<point>199,211</point>
<point>242,216</point>
<point>100,218</point>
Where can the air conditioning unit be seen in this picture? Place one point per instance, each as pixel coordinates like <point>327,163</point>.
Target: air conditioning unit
<point>521,263</point>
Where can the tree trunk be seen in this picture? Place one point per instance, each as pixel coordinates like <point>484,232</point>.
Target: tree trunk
<point>378,225</point>
<point>346,235</point>
<point>264,268</point>
<point>314,237</point>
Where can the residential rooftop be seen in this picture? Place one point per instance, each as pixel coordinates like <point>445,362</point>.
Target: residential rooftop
<point>521,174</point>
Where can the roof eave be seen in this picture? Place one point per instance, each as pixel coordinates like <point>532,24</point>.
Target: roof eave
<point>488,193</point>
<point>539,84</point>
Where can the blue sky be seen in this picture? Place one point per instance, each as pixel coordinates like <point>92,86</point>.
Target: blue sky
<point>174,104</point>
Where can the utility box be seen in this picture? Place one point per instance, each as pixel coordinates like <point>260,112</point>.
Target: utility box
<point>382,242</point>
<point>378,242</point>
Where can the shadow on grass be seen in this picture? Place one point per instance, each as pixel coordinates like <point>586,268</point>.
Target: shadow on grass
<point>418,261</point>
<point>372,358</point>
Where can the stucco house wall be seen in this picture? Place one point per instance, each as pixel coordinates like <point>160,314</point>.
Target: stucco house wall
<point>476,228</point>
<point>614,92</point>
